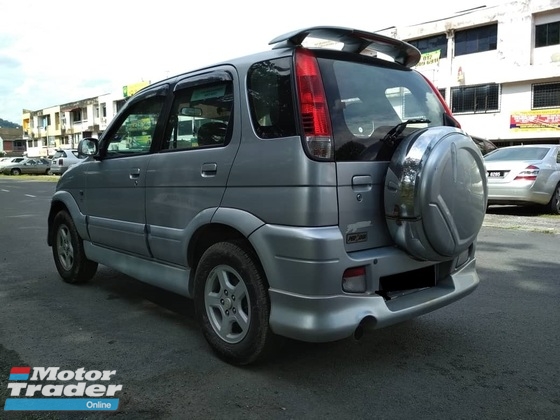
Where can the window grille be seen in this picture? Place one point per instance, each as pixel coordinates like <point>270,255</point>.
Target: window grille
<point>546,95</point>
<point>477,99</point>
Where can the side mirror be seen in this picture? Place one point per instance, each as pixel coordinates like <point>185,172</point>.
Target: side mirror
<point>88,147</point>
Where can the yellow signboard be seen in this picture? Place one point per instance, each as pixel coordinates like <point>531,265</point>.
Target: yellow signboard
<point>130,90</point>
<point>429,58</point>
<point>541,120</point>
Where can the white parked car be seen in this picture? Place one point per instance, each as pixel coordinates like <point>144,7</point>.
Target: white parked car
<point>63,159</point>
<point>525,175</point>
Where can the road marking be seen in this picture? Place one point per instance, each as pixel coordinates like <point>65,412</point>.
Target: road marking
<point>29,195</point>
<point>5,190</point>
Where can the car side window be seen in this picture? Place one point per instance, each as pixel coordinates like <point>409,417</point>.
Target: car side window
<point>135,133</point>
<point>200,116</point>
<point>270,98</point>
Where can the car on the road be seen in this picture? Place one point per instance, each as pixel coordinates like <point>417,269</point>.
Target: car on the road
<point>28,166</point>
<point>9,160</point>
<point>63,159</point>
<point>305,191</point>
<point>525,175</point>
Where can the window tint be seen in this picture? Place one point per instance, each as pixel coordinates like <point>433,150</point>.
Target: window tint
<point>547,34</point>
<point>135,133</point>
<point>200,116</point>
<point>270,98</point>
<point>368,98</point>
<point>432,43</point>
<point>476,40</point>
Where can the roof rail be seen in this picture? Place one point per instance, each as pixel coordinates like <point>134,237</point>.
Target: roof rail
<point>354,41</point>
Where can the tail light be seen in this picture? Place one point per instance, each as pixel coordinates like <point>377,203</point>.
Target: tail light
<point>530,173</point>
<point>60,161</point>
<point>313,106</point>
<point>354,280</point>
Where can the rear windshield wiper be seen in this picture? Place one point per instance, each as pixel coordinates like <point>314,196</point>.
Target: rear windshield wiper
<point>390,139</point>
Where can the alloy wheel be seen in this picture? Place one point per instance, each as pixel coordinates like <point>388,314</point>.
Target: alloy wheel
<point>64,248</point>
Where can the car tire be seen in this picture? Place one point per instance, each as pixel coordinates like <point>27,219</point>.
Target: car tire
<point>68,251</point>
<point>554,203</point>
<point>232,303</point>
<point>436,193</point>
<point>15,171</point>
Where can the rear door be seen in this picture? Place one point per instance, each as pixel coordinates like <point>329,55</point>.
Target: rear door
<point>371,98</point>
<point>188,177</point>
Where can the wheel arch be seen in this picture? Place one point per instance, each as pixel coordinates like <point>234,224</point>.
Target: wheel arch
<point>64,201</point>
<point>552,183</point>
<point>226,225</point>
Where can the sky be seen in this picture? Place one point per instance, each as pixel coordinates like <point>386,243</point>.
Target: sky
<point>54,52</point>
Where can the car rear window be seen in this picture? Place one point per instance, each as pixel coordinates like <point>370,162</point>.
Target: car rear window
<point>59,154</point>
<point>369,97</point>
<point>522,153</point>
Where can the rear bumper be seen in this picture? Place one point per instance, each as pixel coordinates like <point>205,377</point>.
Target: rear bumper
<point>512,194</point>
<point>321,319</point>
<point>58,171</point>
<point>305,266</point>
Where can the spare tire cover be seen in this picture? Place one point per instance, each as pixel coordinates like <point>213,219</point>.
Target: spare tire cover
<point>435,193</point>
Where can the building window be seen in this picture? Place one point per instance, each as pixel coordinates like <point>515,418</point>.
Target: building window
<point>477,99</point>
<point>433,43</point>
<point>546,95</point>
<point>76,115</point>
<point>45,121</point>
<point>547,34</point>
<point>104,110</point>
<point>118,105</point>
<point>484,38</point>
<point>442,93</point>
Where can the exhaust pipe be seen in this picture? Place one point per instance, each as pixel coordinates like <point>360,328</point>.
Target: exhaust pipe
<point>366,324</point>
<point>359,332</point>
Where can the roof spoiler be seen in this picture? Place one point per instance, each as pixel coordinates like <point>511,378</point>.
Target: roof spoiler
<point>355,41</point>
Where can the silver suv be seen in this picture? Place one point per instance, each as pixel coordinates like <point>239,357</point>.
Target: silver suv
<point>302,192</point>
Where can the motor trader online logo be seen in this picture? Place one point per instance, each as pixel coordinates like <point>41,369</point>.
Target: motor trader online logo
<point>49,388</point>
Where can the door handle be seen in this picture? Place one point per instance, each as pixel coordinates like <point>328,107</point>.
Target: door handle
<point>362,183</point>
<point>134,173</point>
<point>209,169</point>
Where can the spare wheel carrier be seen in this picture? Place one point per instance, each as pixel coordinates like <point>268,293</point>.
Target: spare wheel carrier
<point>435,193</point>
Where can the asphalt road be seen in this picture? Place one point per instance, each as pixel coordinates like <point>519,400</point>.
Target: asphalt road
<point>492,355</point>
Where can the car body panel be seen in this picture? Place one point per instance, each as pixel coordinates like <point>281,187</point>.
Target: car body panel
<point>114,202</point>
